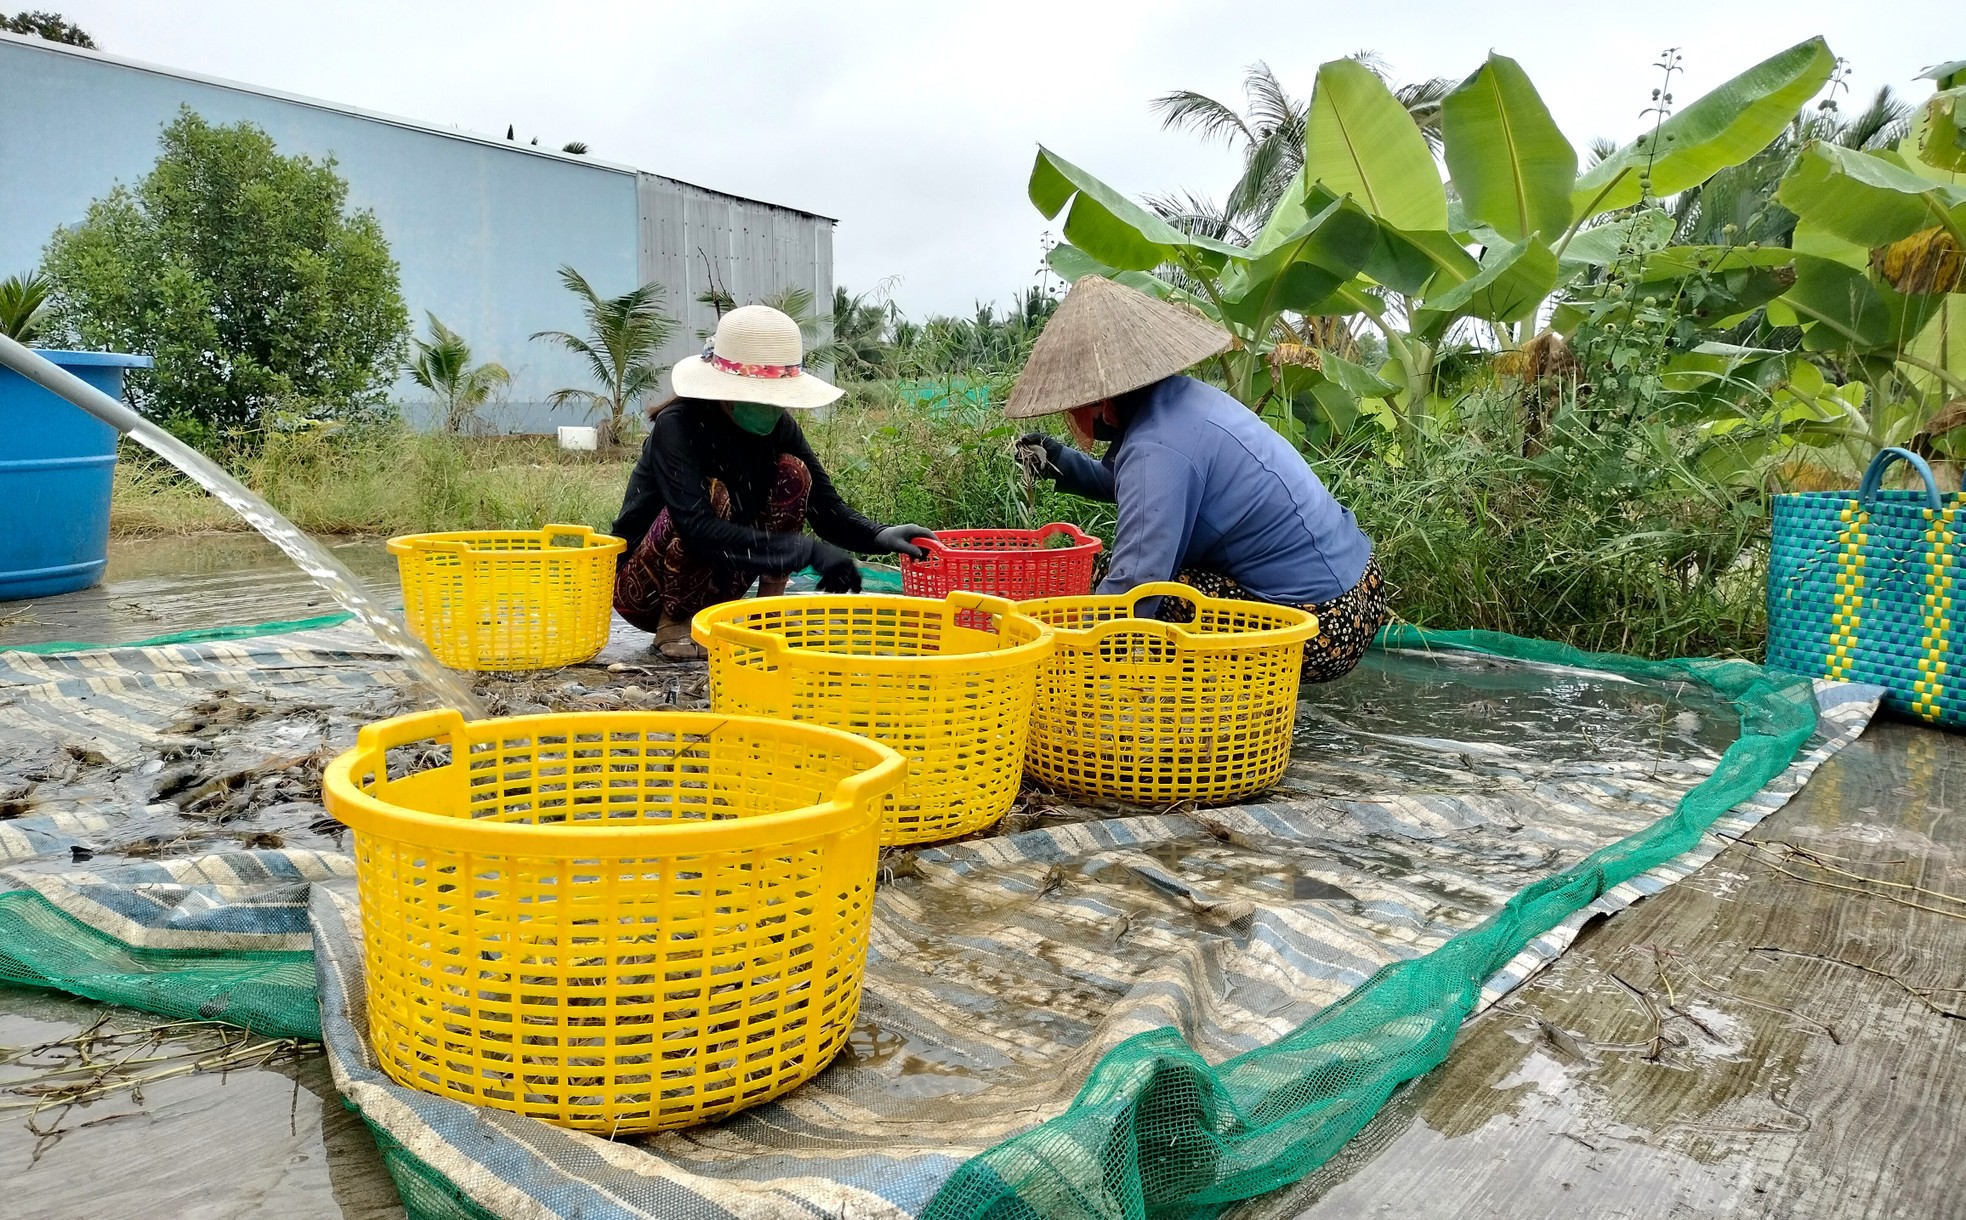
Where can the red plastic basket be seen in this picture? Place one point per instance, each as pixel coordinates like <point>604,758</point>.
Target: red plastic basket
<point>1017,564</point>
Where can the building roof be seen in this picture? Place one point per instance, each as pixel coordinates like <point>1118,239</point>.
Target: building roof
<point>33,43</point>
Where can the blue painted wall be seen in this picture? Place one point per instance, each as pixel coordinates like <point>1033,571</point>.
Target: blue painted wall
<point>478,227</point>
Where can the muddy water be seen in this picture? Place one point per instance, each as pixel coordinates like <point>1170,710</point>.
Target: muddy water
<point>250,1142</point>
<point>157,586</point>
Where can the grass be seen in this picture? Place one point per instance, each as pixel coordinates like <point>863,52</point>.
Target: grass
<point>381,481</point>
<point>1598,544</point>
<point>893,460</point>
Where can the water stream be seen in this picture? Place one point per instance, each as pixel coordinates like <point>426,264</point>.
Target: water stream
<point>312,558</point>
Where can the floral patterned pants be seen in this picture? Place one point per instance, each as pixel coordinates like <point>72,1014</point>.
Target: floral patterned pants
<point>1346,623</point>
<point>661,578</point>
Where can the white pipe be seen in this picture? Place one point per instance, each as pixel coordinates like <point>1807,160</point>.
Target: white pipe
<point>63,384</point>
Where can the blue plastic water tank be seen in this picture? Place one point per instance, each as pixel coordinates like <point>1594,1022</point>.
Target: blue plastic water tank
<point>56,465</point>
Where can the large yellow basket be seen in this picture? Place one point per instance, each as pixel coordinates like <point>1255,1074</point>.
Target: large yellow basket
<point>617,921</point>
<point>912,673</point>
<point>509,599</point>
<point>1159,713</point>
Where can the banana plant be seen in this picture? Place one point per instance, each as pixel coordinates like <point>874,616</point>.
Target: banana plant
<point>1878,255</point>
<point>1369,233</point>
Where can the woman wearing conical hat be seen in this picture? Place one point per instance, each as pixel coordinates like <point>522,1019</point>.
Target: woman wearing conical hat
<point>726,485</point>
<point>1208,494</point>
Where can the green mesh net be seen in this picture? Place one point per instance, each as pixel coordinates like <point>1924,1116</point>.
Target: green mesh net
<point>270,993</point>
<point>1158,1132</point>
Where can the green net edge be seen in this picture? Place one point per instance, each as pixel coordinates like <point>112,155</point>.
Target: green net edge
<point>1218,1138</point>
<point>260,990</point>
<point>199,635</point>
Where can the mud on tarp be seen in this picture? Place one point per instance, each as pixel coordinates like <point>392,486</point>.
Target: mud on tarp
<point>1091,1012</point>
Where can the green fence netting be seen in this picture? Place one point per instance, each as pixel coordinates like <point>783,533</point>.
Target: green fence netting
<point>1158,1132</point>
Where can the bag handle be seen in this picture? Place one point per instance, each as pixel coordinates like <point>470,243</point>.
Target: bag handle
<point>1874,477</point>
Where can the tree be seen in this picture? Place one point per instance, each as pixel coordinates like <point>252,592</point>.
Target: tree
<point>859,348</point>
<point>442,365</point>
<point>624,335</point>
<point>1364,235</point>
<point>1271,136</point>
<point>241,273</point>
<point>1742,197</point>
<point>577,147</point>
<point>23,306</point>
<point>51,26</point>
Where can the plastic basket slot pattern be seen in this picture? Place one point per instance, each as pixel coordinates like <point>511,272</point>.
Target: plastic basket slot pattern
<point>485,599</point>
<point>848,663</point>
<point>1055,561</point>
<point>617,993</point>
<point>1161,715</point>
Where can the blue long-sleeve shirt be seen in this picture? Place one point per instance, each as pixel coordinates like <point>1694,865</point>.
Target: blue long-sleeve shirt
<point>1202,482</point>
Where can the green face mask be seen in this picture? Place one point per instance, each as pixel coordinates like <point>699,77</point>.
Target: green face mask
<point>755,418</point>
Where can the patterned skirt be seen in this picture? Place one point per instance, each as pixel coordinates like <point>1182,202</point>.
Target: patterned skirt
<point>1346,623</point>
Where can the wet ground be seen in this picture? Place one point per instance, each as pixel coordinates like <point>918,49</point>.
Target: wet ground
<point>176,1119</point>
<point>1779,1035</point>
<point>1773,1037</point>
<point>156,586</point>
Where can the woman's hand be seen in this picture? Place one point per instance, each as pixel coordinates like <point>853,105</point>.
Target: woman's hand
<point>897,539</point>
<point>837,571</point>
<point>1031,445</point>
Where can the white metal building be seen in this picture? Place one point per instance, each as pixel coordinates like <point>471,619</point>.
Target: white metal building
<point>478,225</point>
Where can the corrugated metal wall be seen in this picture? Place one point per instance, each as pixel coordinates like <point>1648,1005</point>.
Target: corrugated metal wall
<point>693,239</point>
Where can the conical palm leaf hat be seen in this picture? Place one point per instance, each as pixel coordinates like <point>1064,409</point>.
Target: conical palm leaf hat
<point>1107,339</point>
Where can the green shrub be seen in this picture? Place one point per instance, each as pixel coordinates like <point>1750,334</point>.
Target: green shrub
<point>240,272</point>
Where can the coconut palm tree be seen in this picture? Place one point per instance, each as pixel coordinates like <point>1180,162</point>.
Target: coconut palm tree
<point>1738,203</point>
<point>625,335</point>
<point>23,306</point>
<point>1270,132</point>
<point>442,365</point>
<point>859,348</point>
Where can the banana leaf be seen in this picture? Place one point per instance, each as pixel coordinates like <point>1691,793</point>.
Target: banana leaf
<point>1870,199</point>
<point>1509,162</point>
<point>1359,141</point>
<point>1722,128</point>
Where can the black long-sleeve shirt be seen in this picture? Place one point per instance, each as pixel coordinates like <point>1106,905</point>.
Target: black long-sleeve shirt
<point>693,441</point>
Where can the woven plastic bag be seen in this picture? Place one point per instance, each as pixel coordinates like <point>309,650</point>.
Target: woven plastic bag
<point>1860,589</point>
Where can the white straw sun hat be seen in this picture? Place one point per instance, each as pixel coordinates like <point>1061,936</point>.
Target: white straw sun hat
<point>757,356</point>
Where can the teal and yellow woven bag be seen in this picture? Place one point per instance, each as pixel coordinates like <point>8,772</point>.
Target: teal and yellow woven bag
<point>1860,589</point>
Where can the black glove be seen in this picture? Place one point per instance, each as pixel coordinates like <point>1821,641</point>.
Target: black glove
<point>895,538</point>
<point>837,571</point>
<point>1051,446</point>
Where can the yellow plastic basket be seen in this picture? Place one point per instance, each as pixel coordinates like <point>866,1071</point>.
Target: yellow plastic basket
<point>617,921</point>
<point>1159,713</point>
<point>953,699</point>
<point>509,599</point>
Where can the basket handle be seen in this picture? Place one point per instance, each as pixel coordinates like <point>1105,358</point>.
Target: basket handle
<point>850,788</point>
<point>995,607</point>
<point>413,728</point>
<point>1173,633</point>
<point>1874,477</point>
<point>744,637</point>
<point>1077,535</point>
<point>443,545</point>
<point>555,530</point>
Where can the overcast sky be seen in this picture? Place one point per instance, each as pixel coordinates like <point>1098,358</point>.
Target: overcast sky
<point>915,123</point>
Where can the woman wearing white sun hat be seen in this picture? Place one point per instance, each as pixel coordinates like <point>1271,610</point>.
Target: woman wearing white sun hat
<point>726,484</point>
